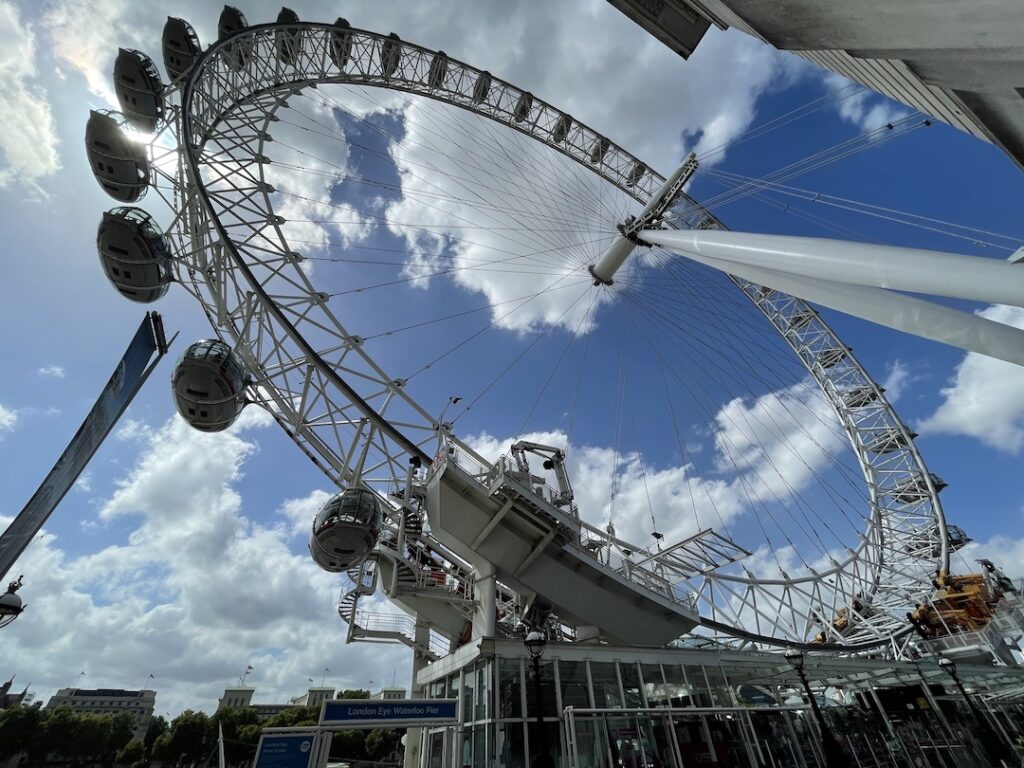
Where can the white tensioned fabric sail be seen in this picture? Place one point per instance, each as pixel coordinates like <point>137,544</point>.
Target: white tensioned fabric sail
<point>359,424</point>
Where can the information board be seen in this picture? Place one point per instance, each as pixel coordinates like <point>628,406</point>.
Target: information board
<point>285,750</point>
<point>393,712</point>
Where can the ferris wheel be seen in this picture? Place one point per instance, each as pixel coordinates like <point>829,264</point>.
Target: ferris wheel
<point>393,247</point>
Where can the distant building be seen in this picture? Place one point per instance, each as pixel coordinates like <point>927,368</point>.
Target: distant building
<point>241,698</point>
<point>108,701</point>
<point>10,700</point>
<point>314,697</point>
<point>389,693</point>
<point>958,62</point>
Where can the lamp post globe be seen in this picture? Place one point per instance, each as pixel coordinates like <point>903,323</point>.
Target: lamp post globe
<point>535,643</point>
<point>795,657</point>
<point>948,666</point>
<point>10,603</point>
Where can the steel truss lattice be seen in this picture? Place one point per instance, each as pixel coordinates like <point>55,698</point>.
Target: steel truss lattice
<point>359,425</point>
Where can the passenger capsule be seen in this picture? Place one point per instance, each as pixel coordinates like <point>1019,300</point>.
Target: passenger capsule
<point>181,47</point>
<point>209,385</point>
<point>635,174</point>
<point>390,54</point>
<point>482,87</point>
<point>288,42</point>
<point>831,357</point>
<point>523,107</point>
<point>139,89</point>
<point>438,70</point>
<point>134,254</point>
<point>599,149</point>
<point>345,529</point>
<point>800,320</point>
<point>561,128</point>
<point>889,440</point>
<point>858,397</point>
<point>341,43</point>
<point>231,22</point>
<point>120,165</point>
<point>915,489</point>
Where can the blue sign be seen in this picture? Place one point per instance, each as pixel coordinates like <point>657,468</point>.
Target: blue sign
<point>374,712</point>
<point>284,750</point>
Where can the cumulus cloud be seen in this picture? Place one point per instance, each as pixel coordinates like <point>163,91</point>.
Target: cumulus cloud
<point>194,592</point>
<point>1004,551</point>
<point>28,134</point>
<point>897,379</point>
<point>53,371</point>
<point>862,107</point>
<point>8,419</point>
<point>768,451</point>
<point>985,397</point>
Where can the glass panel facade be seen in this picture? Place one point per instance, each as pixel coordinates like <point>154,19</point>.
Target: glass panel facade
<point>677,687</point>
<point>699,695</point>
<point>510,689</point>
<point>483,690</point>
<point>654,685</point>
<point>468,699</point>
<point>607,694</point>
<point>718,687</point>
<point>629,673</point>
<point>573,679</point>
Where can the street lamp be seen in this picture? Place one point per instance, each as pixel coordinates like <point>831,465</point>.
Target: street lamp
<point>535,642</point>
<point>991,741</point>
<point>10,603</point>
<point>835,757</point>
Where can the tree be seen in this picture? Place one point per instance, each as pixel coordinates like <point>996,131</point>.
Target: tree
<point>381,742</point>
<point>188,740</point>
<point>353,693</point>
<point>157,726</point>
<point>349,745</point>
<point>235,722</point>
<point>294,716</point>
<point>132,752</point>
<point>92,735</point>
<point>60,732</point>
<point>21,729</point>
<point>122,731</point>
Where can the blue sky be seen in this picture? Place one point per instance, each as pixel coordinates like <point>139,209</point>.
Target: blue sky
<point>183,555</point>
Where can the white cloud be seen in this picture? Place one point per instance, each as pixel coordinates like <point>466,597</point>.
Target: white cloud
<point>767,451</point>
<point>195,591</point>
<point>985,397</point>
<point>897,379</point>
<point>300,512</point>
<point>53,371</point>
<point>862,107</point>
<point>1004,551</point>
<point>8,419</point>
<point>28,134</point>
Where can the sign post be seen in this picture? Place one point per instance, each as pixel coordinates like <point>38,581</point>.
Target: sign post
<point>388,713</point>
<point>292,750</point>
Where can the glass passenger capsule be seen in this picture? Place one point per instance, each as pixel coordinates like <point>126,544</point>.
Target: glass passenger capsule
<point>180,46</point>
<point>134,254</point>
<point>345,529</point>
<point>120,165</point>
<point>209,385</point>
<point>139,89</point>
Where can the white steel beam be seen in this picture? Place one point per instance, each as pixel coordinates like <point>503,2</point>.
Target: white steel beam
<point>935,273</point>
<point>904,313</point>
